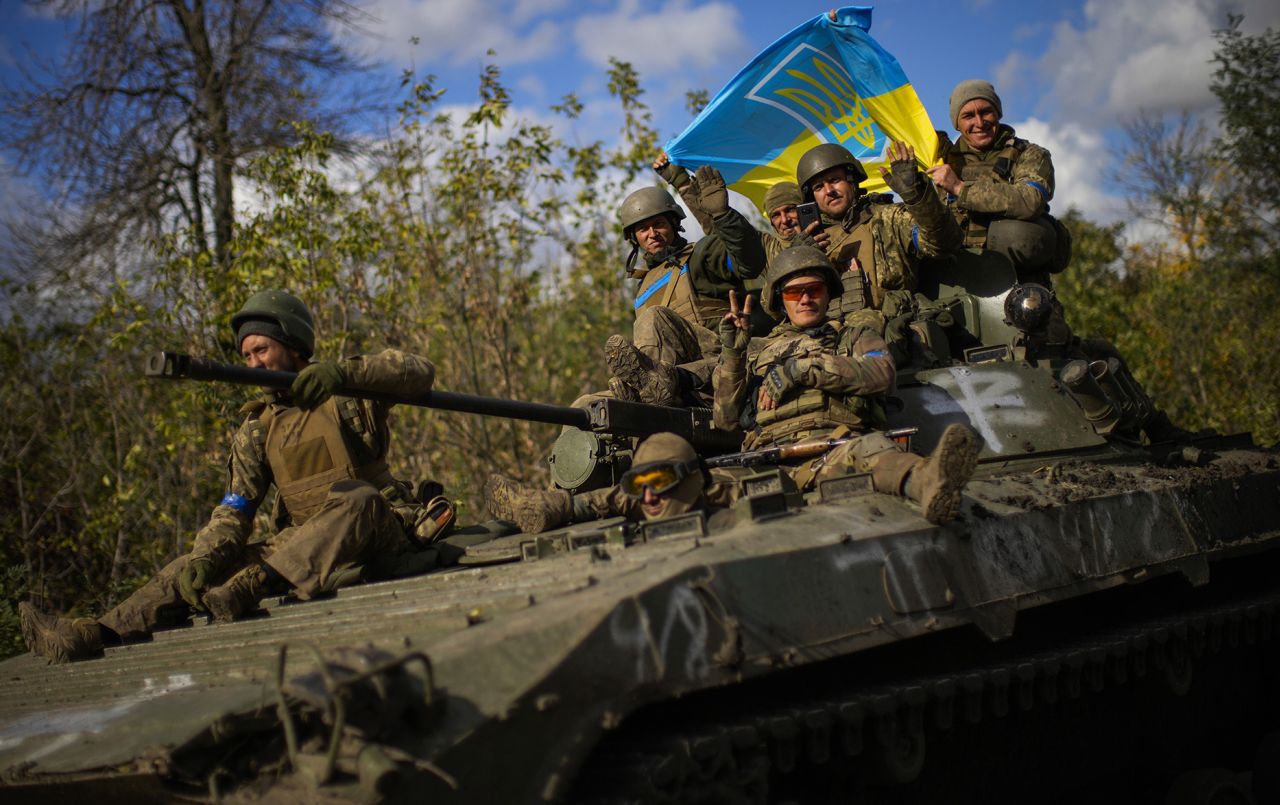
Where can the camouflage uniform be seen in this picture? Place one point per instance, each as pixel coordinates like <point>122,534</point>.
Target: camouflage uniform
<point>886,241</point>
<point>328,466</point>
<point>1011,179</point>
<point>843,373</point>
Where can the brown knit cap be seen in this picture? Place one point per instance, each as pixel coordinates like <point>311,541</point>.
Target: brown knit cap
<point>966,91</point>
<point>782,194</point>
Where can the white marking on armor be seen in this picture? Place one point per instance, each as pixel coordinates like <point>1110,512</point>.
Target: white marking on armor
<point>684,614</point>
<point>990,400</point>
<point>71,725</point>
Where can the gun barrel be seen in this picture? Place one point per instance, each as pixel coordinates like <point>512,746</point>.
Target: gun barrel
<point>176,366</point>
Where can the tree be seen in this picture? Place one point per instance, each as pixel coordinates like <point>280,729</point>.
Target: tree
<point>157,103</point>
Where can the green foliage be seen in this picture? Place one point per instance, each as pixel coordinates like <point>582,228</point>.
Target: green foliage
<point>481,241</point>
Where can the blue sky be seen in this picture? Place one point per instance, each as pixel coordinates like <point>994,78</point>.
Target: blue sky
<point>1069,72</point>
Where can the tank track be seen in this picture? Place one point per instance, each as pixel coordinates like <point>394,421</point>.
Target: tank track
<point>875,738</point>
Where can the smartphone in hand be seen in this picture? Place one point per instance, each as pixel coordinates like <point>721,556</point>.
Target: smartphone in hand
<point>808,213</point>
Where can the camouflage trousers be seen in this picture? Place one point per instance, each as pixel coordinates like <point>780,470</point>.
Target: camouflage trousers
<point>872,452</point>
<point>665,335</point>
<point>355,525</point>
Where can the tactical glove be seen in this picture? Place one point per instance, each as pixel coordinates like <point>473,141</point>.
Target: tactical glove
<point>732,337</point>
<point>317,383</point>
<point>192,581</point>
<point>673,175</point>
<point>905,179</point>
<point>713,196</point>
<point>780,379</point>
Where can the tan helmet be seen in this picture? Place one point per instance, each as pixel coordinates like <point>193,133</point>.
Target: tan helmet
<point>796,260</point>
<point>287,311</point>
<point>825,157</point>
<point>668,448</point>
<point>646,203</point>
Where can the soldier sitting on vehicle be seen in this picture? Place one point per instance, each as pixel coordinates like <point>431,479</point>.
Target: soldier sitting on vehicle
<point>326,455</point>
<point>666,479</point>
<point>819,378</point>
<point>683,292</point>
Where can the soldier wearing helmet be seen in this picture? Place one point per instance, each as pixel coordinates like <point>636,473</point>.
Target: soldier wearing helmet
<point>684,287</point>
<point>666,479</point>
<point>875,246</point>
<point>821,378</point>
<point>325,453</point>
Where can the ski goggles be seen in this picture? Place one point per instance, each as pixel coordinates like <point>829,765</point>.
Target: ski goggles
<point>660,476</point>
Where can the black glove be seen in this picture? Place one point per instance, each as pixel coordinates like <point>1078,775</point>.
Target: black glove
<point>713,196</point>
<point>192,581</point>
<point>317,383</point>
<point>780,379</point>
<point>905,179</point>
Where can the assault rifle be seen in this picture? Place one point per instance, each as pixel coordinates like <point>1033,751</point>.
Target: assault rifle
<point>603,416</point>
<point>792,452</point>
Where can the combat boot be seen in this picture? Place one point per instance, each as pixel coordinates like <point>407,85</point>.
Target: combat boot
<point>533,510</point>
<point>655,382</point>
<point>239,595</point>
<point>59,639</point>
<point>937,482</point>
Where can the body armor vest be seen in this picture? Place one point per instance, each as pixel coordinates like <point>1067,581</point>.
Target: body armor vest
<point>669,285</point>
<point>807,411</point>
<point>853,254</point>
<point>999,168</point>
<point>308,453</point>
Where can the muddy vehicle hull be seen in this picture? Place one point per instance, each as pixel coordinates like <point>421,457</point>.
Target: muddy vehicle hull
<point>692,667</point>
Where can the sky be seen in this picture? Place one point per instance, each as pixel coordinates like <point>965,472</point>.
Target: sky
<point>1069,72</point>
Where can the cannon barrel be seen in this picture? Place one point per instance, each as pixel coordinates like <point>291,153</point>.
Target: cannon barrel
<point>607,415</point>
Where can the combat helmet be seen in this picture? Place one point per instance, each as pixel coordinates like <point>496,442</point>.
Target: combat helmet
<point>285,310</point>
<point>825,157</point>
<point>646,203</point>
<point>795,260</point>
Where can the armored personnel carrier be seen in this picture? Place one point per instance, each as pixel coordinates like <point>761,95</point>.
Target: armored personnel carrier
<point>1099,625</point>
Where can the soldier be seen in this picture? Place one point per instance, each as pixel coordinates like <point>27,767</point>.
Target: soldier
<point>684,288</point>
<point>326,455</point>
<point>666,479</point>
<point>999,186</point>
<point>820,378</point>
<point>875,246</point>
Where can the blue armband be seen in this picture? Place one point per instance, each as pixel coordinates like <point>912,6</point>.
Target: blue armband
<point>876,354</point>
<point>1043,193</point>
<point>238,502</point>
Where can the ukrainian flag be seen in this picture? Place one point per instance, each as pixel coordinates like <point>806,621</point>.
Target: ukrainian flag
<point>826,81</point>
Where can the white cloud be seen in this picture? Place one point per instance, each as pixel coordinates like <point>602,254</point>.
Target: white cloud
<point>457,31</point>
<point>1139,54</point>
<point>1079,159</point>
<point>676,37</point>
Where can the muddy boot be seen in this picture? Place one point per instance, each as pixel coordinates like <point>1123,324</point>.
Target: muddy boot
<point>240,595</point>
<point>655,382</point>
<point>59,639</point>
<point>534,510</point>
<point>937,482</point>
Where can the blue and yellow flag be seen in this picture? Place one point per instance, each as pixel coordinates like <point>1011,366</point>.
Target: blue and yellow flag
<point>826,81</point>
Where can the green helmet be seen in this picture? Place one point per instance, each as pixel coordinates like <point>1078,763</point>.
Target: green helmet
<point>646,203</point>
<point>825,157</point>
<point>288,313</point>
<point>796,260</point>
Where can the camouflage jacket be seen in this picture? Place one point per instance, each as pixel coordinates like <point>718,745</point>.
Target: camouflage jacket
<point>364,428</point>
<point>888,240</point>
<point>1011,179</point>
<point>846,364</point>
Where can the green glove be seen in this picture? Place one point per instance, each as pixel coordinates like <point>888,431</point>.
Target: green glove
<point>317,383</point>
<point>713,196</point>
<point>193,579</point>
<point>732,337</point>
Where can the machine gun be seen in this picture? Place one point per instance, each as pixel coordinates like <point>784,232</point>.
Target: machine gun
<point>780,454</point>
<point>593,451</point>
